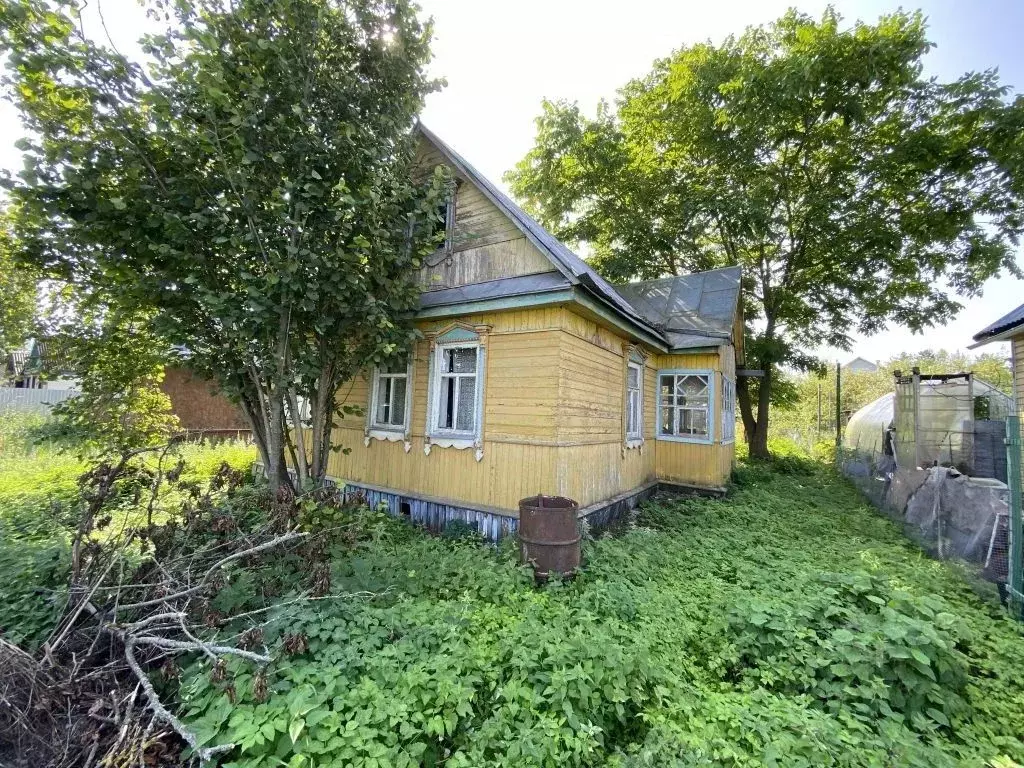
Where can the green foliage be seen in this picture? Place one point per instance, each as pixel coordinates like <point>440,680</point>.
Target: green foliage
<point>119,363</point>
<point>253,184</point>
<point>39,498</point>
<point>18,284</point>
<point>853,191</point>
<point>787,624</point>
<point>849,641</point>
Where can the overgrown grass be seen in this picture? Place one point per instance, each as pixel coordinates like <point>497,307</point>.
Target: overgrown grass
<point>786,625</point>
<point>38,517</point>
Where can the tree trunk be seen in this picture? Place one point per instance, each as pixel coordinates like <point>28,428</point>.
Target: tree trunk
<point>759,443</point>
<point>755,426</point>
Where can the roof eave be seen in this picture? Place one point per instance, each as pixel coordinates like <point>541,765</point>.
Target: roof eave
<point>1004,335</point>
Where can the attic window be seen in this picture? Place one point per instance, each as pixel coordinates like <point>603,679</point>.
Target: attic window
<point>443,221</point>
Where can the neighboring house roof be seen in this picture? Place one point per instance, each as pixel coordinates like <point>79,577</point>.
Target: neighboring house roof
<point>703,305</point>
<point>1006,326</point>
<point>39,357</point>
<point>859,365</point>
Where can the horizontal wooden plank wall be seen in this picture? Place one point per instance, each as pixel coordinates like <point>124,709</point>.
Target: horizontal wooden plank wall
<point>486,245</point>
<point>554,400</point>
<point>520,450</point>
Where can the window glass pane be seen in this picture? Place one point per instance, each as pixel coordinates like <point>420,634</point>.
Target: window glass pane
<point>633,377</point>
<point>667,386</point>
<point>460,360</point>
<point>694,422</point>
<point>692,388</point>
<point>398,401</point>
<point>383,392</point>
<point>465,418</point>
<point>446,404</point>
<point>667,421</point>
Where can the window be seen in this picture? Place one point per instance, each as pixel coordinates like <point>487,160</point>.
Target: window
<point>455,389</point>
<point>728,410</point>
<point>390,396</point>
<point>634,401</point>
<point>685,400</point>
<point>444,221</point>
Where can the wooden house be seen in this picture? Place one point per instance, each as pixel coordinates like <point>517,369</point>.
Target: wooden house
<point>535,375</point>
<point>1010,328</point>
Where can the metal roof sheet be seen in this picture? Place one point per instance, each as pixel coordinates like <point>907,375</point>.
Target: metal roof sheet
<point>703,304</point>
<point>1005,323</point>
<point>492,289</point>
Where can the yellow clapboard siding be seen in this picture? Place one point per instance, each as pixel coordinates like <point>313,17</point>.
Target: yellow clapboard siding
<point>554,398</point>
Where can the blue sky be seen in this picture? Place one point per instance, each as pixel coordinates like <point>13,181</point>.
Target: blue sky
<point>502,58</point>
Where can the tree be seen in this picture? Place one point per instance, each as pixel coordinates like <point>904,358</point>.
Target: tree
<point>853,191</point>
<point>119,363</point>
<point>18,285</point>
<point>252,184</point>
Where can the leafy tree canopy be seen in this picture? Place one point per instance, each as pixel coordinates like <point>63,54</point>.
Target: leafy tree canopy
<point>119,363</point>
<point>854,191</point>
<point>252,183</point>
<point>18,285</point>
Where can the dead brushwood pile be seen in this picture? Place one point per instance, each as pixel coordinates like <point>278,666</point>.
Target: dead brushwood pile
<point>152,555</point>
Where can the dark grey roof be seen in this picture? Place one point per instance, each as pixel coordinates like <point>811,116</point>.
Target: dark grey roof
<point>1005,323</point>
<point>689,309</point>
<point>494,289</point>
<point>565,261</point>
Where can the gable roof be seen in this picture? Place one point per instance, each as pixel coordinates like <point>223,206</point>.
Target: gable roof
<point>1002,328</point>
<point>696,319</point>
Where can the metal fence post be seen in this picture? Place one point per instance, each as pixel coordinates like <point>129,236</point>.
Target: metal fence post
<point>1015,576</point>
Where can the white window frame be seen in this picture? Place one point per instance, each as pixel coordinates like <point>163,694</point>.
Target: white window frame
<point>728,410</point>
<point>378,374</point>
<point>710,376</point>
<point>635,436</point>
<point>437,376</point>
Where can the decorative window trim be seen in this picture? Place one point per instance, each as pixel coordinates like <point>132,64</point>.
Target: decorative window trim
<point>456,335</point>
<point>396,433</point>
<point>728,414</point>
<point>632,356</point>
<point>712,410</point>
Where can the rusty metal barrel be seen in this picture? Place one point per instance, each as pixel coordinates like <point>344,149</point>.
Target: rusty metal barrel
<point>549,536</point>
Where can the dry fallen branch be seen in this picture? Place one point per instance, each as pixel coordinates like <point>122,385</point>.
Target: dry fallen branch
<point>137,601</point>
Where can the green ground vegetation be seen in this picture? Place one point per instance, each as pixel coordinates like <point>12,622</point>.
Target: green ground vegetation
<point>785,625</point>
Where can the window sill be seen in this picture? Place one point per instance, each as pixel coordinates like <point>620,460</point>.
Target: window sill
<point>633,442</point>
<point>681,439</point>
<point>458,443</point>
<point>390,435</point>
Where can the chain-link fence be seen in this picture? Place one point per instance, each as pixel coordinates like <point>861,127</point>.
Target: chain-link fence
<point>1015,528</point>
<point>936,457</point>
